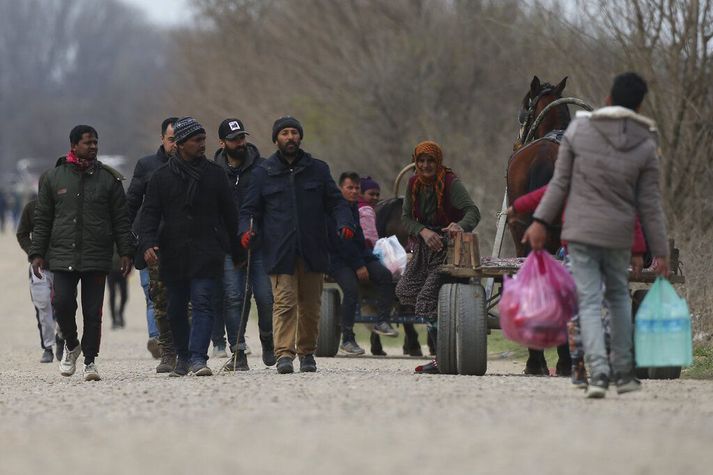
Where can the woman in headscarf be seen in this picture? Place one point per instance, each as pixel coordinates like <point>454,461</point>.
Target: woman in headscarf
<point>436,205</point>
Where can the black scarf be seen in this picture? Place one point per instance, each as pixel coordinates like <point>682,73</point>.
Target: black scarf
<point>191,172</point>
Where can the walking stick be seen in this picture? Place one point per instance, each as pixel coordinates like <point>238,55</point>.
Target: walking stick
<point>243,316</point>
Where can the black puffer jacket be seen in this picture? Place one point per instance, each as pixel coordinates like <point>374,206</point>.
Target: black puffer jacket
<point>192,244</point>
<point>290,204</point>
<point>79,218</point>
<point>143,170</point>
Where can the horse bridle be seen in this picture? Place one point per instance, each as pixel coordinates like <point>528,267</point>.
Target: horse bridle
<point>525,118</point>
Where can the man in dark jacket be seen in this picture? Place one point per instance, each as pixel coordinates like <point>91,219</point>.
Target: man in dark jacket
<point>190,199</point>
<point>238,158</point>
<point>289,198</point>
<point>352,262</point>
<point>80,217</point>
<point>160,337</point>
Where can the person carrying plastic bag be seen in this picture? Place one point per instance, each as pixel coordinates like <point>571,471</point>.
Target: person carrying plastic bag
<point>607,171</point>
<point>391,254</point>
<point>537,304</point>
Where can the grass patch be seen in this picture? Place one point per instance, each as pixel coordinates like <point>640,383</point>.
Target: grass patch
<point>702,363</point>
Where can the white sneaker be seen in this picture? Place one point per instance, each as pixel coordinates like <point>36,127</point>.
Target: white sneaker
<point>91,373</point>
<point>68,365</point>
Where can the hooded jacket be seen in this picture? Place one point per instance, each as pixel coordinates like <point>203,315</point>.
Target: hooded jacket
<point>239,178</point>
<point>607,171</point>
<point>79,217</point>
<point>289,204</point>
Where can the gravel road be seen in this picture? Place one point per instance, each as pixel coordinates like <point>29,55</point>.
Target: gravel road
<point>365,415</point>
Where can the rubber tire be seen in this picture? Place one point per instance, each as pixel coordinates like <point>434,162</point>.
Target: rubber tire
<point>471,330</point>
<point>666,372</point>
<point>329,327</point>
<point>446,340</point>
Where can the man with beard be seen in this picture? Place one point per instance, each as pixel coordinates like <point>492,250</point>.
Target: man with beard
<point>238,158</point>
<point>290,195</point>
<point>79,218</point>
<point>160,342</point>
<point>190,198</point>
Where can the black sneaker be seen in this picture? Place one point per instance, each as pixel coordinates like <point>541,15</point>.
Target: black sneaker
<point>268,350</point>
<point>181,369</point>
<point>598,385</point>
<point>200,369</point>
<point>237,362</point>
<point>350,348</point>
<point>284,365</point>
<point>627,384</point>
<point>47,356</point>
<point>307,364</point>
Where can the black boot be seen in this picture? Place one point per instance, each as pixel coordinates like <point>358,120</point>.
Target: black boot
<point>536,364</point>
<point>564,362</point>
<point>376,348</point>
<point>412,347</point>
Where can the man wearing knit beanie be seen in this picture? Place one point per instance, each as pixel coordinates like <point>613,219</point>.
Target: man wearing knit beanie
<point>287,204</point>
<point>191,200</point>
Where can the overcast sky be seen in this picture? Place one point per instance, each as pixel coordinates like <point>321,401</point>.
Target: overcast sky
<point>163,12</point>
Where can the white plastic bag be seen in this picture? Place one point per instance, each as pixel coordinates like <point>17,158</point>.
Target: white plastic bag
<point>391,254</point>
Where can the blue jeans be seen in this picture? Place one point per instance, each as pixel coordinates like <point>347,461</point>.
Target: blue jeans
<point>191,340</point>
<point>233,295</point>
<point>150,321</point>
<point>591,267</point>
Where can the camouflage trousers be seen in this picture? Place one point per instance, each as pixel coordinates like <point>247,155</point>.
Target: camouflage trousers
<point>157,293</point>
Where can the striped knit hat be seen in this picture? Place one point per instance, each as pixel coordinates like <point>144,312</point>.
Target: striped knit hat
<point>186,128</point>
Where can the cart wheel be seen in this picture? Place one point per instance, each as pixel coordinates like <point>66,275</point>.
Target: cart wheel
<point>667,372</point>
<point>446,340</point>
<point>329,328</point>
<point>471,330</point>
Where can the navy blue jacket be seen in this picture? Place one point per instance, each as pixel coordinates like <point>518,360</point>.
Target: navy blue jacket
<point>289,205</point>
<point>353,253</point>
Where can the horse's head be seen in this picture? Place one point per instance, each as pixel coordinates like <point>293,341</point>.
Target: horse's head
<point>536,99</point>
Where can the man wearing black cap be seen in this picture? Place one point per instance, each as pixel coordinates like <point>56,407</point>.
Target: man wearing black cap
<point>192,197</point>
<point>238,158</point>
<point>290,195</point>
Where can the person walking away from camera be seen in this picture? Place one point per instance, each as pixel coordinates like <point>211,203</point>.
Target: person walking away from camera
<point>352,262</point>
<point>188,224</point>
<point>160,342</point>
<point>40,289</point>
<point>436,205</point>
<point>289,198</point>
<point>80,216</point>
<point>117,284</point>
<point>607,171</point>
<point>239,158</point>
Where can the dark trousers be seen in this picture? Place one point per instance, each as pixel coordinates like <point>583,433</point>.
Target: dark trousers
<point>116,279</point>
<point>192,340</point>
<point>65,307</point>
<point>349,283</point>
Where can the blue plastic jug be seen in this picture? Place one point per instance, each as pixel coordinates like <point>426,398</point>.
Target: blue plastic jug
<point>662,335</point>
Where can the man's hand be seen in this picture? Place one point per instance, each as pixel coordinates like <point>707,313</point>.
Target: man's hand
<point>433,240</point>
<point>37,264</point>
<point>536,235</point>
<point>150,255</point>
<point>637,263</point>
<point>362,274</point>
<point>126,264</point>
<point>346,233</point>
<point>452,229</point>
<point>660,266</point>
<point>246,238</point>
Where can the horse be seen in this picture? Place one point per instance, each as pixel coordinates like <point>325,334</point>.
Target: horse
<point>530,167</point>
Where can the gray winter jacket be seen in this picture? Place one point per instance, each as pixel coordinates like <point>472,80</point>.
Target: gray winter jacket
<point>607,171</point>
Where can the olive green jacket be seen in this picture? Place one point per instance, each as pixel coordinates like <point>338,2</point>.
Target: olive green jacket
<point>79,218</point>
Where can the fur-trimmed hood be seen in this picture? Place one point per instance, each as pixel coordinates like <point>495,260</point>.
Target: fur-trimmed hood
<point>623,128</point>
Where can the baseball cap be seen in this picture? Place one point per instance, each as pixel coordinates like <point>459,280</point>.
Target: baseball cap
<point>231,129</point>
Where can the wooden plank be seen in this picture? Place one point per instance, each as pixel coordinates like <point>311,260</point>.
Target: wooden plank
<point>474,251</point>
<point>457,249</point>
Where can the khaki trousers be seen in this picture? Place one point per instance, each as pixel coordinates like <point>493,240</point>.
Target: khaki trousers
<point>296,310</point>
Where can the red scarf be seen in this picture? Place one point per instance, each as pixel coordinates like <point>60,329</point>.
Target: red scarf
<point>83,165</point>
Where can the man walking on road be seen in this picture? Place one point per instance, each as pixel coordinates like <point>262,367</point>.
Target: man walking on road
<point>80,217</point>
<point>239,158</point>
<point>289,198</point>
<point>607,171</point>
<point>160,342</point>
<point>191,199</point>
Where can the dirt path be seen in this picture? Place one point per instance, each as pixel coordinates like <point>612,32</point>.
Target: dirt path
<point>369,415</point>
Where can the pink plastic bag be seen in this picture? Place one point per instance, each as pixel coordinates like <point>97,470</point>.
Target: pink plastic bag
<point>538,302</point>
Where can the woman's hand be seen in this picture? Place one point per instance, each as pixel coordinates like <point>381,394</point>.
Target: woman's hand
<point>452,229</point>
<point>433,239</point>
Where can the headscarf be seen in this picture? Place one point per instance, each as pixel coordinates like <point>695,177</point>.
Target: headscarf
<point>438,181</point>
